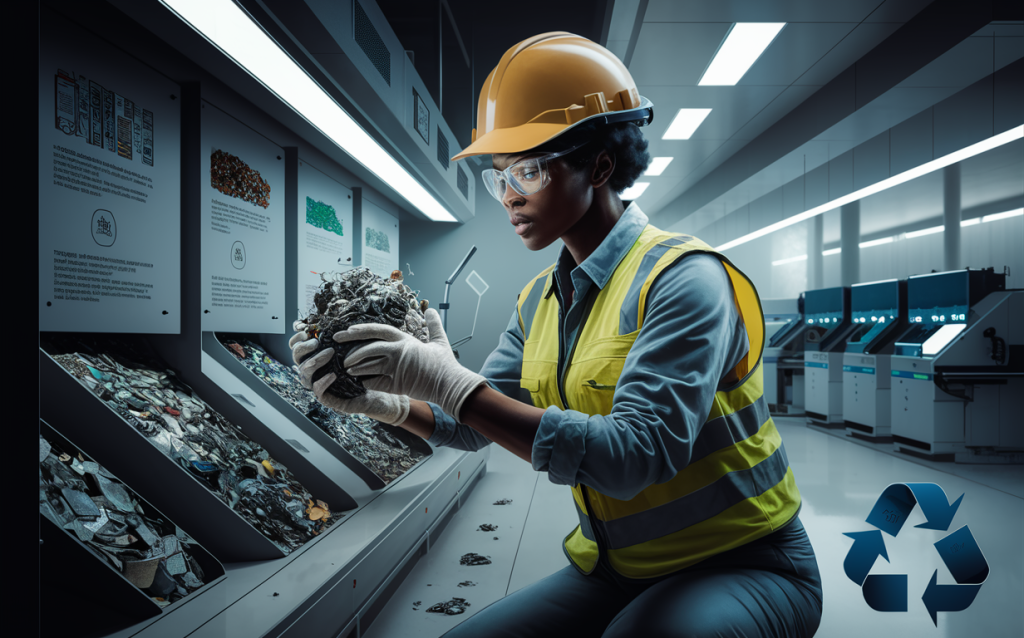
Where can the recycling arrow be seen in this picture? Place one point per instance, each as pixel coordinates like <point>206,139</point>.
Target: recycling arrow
<point>963,558</point>
<point>867,546</point>
<point>895,504</point>
<point>959,551</point>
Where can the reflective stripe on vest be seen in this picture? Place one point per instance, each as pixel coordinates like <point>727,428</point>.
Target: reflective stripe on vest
<point>738,485</point>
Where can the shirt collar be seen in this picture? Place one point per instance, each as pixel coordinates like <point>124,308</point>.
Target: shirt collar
<point>600,265</point>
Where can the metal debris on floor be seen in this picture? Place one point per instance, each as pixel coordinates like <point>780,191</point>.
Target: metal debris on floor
<point>453,607</point>
<point>475,559</point>
<point>467,583</point>
<point>487,527</point>
<point>504,501</point>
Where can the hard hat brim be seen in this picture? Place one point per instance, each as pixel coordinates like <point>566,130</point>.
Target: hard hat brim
<point>530,135</point>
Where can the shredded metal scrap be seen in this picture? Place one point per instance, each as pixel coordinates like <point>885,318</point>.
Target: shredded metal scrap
<point>236,469</point>
<point>364,438</point>
<point>474,559</point>
<point>82,497</point>
<point>353,297</point>
<point>453,607</point>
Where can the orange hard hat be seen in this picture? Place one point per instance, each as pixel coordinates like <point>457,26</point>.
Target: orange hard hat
<point>547,85</point>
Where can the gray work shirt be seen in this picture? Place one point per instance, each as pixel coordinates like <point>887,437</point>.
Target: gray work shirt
<point>692,337</point>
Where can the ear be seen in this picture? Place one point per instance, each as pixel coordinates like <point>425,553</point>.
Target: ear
<point>603,167</point>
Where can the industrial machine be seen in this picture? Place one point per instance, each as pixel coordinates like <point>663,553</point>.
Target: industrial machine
<point>784,354</point>
<point>879,315</point>
<point>827,313</point>
<point>956,381</point>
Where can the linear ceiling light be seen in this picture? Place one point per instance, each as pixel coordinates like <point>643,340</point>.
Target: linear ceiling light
<point>789,260</point>
<point>658,166</point>
<point>876,242</point>
<point>231,30</point>
<point>927,231</point>
<point>634,191</point>
<point>831,251</point>
<point>743,45</point>
<point>685,124</point>
<point>929,167</point>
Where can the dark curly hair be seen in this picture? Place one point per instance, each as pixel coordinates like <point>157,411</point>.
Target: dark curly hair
<point>623,140</point>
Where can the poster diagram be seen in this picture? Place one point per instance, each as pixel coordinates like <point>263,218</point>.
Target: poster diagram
<point>86,109</point>
<point>242,227</point>
<point>325,231</point>
<point>231,176</point>
<point>380,239</point>
<point>109,209</point>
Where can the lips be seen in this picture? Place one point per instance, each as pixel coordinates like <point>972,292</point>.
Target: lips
<point>521,224</point>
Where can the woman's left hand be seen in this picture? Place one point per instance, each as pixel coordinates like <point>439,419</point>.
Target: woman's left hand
<point>401,364</point>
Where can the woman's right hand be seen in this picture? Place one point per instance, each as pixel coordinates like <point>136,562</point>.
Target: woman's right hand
<point>388,408</point>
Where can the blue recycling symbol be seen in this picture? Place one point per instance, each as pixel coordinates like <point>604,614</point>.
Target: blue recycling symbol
<point>959,551</point>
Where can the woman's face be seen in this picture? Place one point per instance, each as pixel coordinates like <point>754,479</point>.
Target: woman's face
<point>541,218</point>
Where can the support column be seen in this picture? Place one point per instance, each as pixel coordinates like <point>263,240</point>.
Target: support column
<point>951,213</point>
<point>815,245</point>
<point>849,224</point>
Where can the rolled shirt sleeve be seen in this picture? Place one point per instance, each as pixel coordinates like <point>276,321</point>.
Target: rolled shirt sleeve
<point>503,370</point>
<point>692,336</point>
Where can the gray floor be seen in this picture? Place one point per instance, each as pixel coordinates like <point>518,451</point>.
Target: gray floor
<point>839,480</point>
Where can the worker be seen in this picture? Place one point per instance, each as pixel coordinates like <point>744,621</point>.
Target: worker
<point>630,370</point>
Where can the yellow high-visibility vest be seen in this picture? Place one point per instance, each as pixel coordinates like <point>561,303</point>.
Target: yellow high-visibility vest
<point>741,490</point>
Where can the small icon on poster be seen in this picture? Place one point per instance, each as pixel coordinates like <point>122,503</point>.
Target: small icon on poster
<point>238,255</point>
<point>104,227</point>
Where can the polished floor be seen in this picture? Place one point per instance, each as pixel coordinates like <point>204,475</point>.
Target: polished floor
<point>839,480</point>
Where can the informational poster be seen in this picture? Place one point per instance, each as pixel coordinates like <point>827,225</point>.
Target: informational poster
<point>242,227</point>
<point>325,231</point>
<point>380,239</point>
<point>109,188</point>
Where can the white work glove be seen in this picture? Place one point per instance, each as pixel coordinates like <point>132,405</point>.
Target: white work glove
<point>405,365</point>
<point>387,408</point>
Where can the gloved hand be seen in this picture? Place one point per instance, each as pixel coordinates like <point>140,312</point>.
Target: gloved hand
<point>388,408</point>
<point>405,365</point>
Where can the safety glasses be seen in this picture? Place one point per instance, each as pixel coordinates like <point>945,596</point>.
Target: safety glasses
<point>526,177</point>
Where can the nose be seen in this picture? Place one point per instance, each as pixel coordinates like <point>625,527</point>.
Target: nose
<point>511,197</point>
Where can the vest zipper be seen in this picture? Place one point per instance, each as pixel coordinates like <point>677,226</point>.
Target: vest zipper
<point>591,297</point>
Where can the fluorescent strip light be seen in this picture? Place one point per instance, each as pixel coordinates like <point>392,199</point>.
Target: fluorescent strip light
<point>831,251</point>
<point>634,191</point>
<point>790,260</point>
<point>658,166</point>
<point>970,222</point>
<point>743,45</point>
<point>926,231</point>
<point>929,167</point>
<point>1008,214</point>
<point>876,242</point>
<point>231,30</point>
<point>685,124</point>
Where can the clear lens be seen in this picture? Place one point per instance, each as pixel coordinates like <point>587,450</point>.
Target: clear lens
<point>526,177</point>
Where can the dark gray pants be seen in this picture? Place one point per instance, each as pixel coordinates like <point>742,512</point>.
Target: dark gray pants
<point>770,587</point>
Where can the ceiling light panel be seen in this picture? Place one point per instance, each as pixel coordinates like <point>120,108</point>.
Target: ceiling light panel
<point>232,31</point>
<point>743,45</point>
<point>658,166</point>
<point>685,124</point>
<point>634,191</point>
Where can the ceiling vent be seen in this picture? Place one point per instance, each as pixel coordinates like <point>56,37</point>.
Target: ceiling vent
<point>370,42</point>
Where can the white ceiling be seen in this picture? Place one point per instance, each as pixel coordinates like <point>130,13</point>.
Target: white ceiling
<point>677,40</point>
